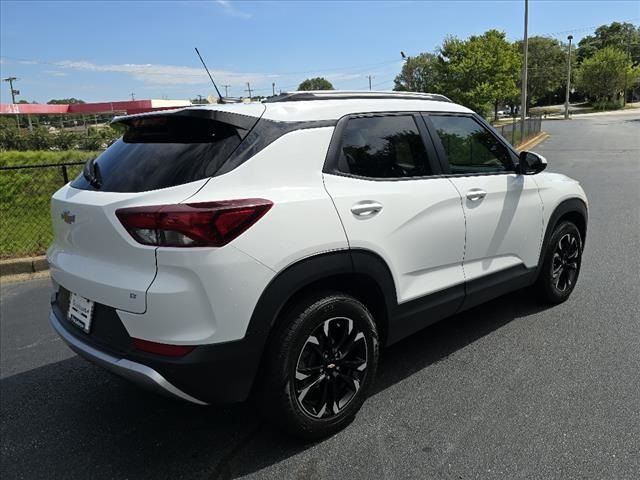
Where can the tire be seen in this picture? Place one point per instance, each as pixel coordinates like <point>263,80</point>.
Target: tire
<point>305,393</point>
<point>561,264</point>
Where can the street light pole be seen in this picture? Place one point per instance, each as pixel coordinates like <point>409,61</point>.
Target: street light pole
<point>566,97</point>
<point>523,96</point>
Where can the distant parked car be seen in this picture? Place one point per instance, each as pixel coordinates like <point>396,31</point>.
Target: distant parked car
<point>273,247</point>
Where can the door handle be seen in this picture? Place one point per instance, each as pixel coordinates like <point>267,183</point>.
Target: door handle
<point>476,194</point>
<point>366,209</point>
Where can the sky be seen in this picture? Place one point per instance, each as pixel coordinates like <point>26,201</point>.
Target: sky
<point>113,50</point>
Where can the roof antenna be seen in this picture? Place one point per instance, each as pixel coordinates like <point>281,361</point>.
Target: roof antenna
<point>214,83</point>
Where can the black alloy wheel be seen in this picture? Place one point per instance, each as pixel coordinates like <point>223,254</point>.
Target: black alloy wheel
<point>561,264</point>
<point>319,366</point>
<point>565,262</point>
<point>331,367</point>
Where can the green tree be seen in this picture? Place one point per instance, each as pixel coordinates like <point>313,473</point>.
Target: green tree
<point>64,101</point>
<point>604,75</point>
<point>623,36</point>
<point>480,72</point>
<point>547,71</point>
<point>318,83</point>
<point>418,74</point>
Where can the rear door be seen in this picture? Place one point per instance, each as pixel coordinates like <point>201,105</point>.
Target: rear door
<point>503,209</point>
<point>381,176</point>
<point>161,159</point>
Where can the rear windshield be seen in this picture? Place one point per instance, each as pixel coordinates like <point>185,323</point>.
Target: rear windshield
<point>159,152</point>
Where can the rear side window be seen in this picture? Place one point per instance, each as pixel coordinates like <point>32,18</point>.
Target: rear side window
<point>470,147</point>
<point>383,147</point>
<point>159,152</point>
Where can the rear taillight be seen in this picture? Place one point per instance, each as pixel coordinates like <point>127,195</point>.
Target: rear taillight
<point>211,224</point>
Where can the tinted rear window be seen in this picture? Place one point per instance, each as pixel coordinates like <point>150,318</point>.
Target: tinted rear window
<point>160,152</point>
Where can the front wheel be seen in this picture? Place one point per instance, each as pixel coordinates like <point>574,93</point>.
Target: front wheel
<point>561,264</point>
<point>321,362</point>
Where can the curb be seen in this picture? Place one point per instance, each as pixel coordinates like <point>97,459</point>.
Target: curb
<point>17,266</point>
<point>533,142</point>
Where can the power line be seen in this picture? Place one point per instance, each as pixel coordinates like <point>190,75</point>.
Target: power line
<point>584,29</point>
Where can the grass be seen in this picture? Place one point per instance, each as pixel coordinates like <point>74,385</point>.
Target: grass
<point>25,224</point>
<point>12,157</point>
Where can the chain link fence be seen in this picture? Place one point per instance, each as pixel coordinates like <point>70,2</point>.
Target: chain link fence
<point>25,194</point>
<point>513,132</point>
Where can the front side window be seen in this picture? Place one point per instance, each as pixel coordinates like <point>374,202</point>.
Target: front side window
<point>383,147</point>
<point>470,147</point>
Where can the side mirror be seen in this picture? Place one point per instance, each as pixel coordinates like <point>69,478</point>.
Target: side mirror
<point>531,163</point>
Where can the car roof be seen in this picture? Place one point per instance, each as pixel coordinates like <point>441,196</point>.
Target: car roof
<point>333,104</point>
<point>329,105</point>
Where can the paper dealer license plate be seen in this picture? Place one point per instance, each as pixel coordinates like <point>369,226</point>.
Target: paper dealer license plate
<point>80,312</point>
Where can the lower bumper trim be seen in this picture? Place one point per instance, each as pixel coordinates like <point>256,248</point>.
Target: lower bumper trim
<point>133,371</point>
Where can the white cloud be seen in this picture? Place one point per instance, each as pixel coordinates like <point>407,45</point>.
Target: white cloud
<point>56,73</point>
<point>167,74</point>
<point>231,10</point>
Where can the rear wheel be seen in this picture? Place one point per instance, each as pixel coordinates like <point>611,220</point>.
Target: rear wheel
<point>561,265</point>
<point>320,364</point>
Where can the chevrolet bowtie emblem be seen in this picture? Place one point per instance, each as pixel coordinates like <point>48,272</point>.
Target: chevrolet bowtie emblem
<point>67,217</point>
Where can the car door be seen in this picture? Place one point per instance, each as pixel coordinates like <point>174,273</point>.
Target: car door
<point>380,175</point>
<point>503,210</point>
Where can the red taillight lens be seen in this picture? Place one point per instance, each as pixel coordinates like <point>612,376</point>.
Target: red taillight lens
<point>211,224</point>
<point>162,348</point>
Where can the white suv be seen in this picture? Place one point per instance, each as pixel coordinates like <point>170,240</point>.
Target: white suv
<point>271,247</point>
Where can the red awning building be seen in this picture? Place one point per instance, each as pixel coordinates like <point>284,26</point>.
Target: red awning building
<point>125,107</point>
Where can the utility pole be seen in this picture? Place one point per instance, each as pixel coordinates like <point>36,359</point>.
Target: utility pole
<point>566,97</point>
<point>369,77</point>
<point>273,88</point>
<point>200,102</point>
<point>13,94</point>
<point>248,90</point>
<point>133,96</point>
<point>523,96</point>
<point>226,90</point>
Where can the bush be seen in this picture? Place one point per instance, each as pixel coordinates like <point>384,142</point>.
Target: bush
<point>65,140</point>
<point>41,138</point>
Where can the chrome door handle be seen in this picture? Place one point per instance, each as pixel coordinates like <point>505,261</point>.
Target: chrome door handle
<point>476,194</point>
<point>366,209</point>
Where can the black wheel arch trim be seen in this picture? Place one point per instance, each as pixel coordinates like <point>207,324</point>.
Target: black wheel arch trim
<point>309,270</point>
<point>301,274</point>
<point>566,207</point>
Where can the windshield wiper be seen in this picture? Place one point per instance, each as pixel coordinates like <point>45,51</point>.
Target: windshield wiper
<point>92,173</point>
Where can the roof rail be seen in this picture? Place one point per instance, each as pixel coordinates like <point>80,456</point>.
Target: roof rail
<point>353,95</point>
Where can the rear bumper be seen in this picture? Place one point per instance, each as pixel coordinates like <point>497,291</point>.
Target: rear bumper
<point>217,373</point>
<point>135,372</point>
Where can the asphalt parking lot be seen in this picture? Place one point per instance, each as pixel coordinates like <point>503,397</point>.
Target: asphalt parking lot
<point>508,390</point>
